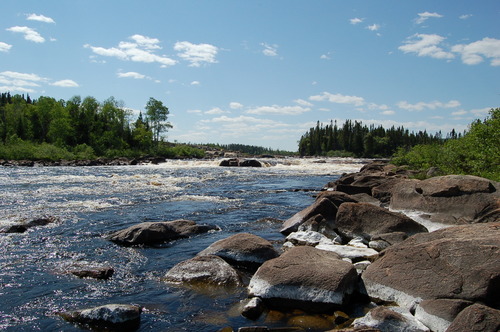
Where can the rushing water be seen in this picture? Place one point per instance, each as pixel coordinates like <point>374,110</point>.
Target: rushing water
<point>94,201</point>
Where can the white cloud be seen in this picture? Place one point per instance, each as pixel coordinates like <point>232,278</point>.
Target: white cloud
<point>66,84</point>
<point>270,50</point>
<point>338,98</point>
<point>420,106</point>
<point>303,102</point>
<point>373,27</point>
<point>196,54</point>
<point>325,57</point>
<point>216,110</point>
<point>29,33</point>
<point>281,110</point>
<point>132,74</point>
<point>195,83</point>
<point>465,16</point>
<point>21,82</point>
<point>40,18</point>
<point>481,111</point>
<point>140,50</point>
<point>422,17</point>
<point>4,47</point>
<point>356,20</point>
<point>473,53</point>
<point>234,105</point>
<point>457,113</point>
<point>388,112</point>
<point>426,45</point>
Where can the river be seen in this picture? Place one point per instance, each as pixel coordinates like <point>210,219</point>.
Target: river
<point>92,202</point>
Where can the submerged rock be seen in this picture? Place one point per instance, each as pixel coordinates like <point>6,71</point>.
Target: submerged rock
<point>91,270</point>
<point>149,233</point>
<point>305,277</point>
<point>117,316</point>
<point>22,227</point>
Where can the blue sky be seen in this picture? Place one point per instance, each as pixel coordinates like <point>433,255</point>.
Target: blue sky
<point>261,72</point>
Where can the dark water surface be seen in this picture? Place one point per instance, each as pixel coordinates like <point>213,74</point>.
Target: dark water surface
<point>94,201</point>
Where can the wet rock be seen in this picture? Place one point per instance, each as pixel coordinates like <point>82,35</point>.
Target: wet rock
<point>116,316</point>
<point>149,233</point>
<point>452,199</point>
<point>251,163</point>
<point>91,270</point>
<point>243,249</point>
<point>323,207</point>
<point>439,314</point>
<point>366,220</point>
<point>253,309</point>
<point>450,263</point>
<point>476,318</point>
<point>389,319</point>
<point>204,270</point>
<point>22,227</point>
<point>304,277</point>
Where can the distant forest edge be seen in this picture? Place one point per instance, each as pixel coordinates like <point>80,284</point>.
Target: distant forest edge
<point>353,139</point>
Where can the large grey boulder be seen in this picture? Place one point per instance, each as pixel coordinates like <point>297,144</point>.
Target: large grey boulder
<point>452,199</point>
<point>243,249</point>
<point>305,276</point>
<point>366,220</point>
<point>389,319</point>
<point>453,263</point>
<point>323,207</point>
<point>148,233</point>
<point>204,271</point>
<point>115,316</point>
<point>439,314</point>
<point>476,318</point>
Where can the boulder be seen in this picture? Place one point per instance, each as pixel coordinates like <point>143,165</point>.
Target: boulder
<point>149,233</point>
<point>320,225</point>
<point>243,249</point>
<point>450,263</point>
<point>452,199</point>
<point>233,162</point>
<point>382,241</point>
<point>305,277</point>
<point>204,270</point>
<point>366,220</point>
<point>323,207</point>
<point>250,163</point>
<point>389,319</point>
<point>438,314</point>
<point>115,316</point>
<point>21,227</point>
<point>253,309</point>
<point>308,238</point>
<point>90,270</point>
<point>476,318</point>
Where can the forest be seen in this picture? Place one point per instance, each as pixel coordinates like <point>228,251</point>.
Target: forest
<point>358,140</point>
<point>78,128</point>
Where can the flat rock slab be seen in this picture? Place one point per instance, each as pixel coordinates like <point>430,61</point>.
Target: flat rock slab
<point>460,262</point>
<point>366,220</point>
<point>243,249</point>
<point>204,270</point>
<point>454,199</point>
<point>149,233</point>
<point>305,274</point>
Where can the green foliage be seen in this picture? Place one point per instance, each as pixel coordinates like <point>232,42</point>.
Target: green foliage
<point>179,151</point>
<point>76,129</point>
<point>360,140</point>
<point>477,152</point>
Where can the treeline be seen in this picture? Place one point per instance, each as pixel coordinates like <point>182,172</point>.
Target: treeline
<point>250,149</point>
<point>358,140</point>
<point>78,128</point>
<point>477,152</point>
